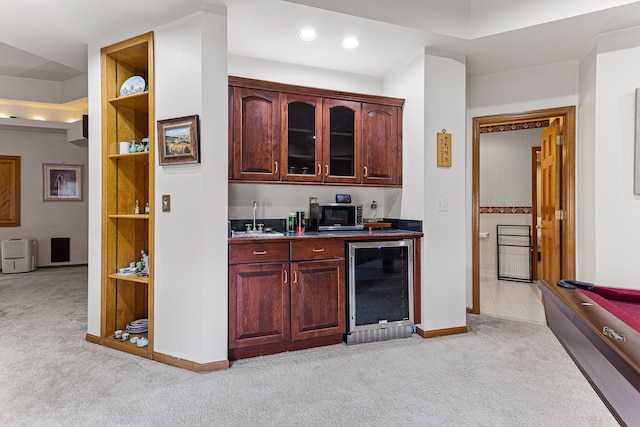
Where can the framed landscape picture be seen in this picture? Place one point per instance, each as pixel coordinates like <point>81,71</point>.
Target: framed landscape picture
<point>62,182</point>
<point>179,140</point>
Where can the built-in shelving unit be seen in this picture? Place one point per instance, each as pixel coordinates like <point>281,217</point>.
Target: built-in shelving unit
<point>127,179</point>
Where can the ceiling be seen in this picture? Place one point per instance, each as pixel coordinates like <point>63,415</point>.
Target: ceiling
<point>492,35</point>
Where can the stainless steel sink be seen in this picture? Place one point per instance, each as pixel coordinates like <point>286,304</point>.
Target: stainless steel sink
<point>256,233</point>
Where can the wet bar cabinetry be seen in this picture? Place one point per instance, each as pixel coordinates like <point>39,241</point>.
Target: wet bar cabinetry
<point>292,134</point>
<point>290,293</point>
<point>285,296</point>
<point>257,146</point>
<point>127,180</point>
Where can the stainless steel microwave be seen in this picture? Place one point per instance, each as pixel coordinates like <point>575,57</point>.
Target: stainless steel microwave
<point>335,216</point>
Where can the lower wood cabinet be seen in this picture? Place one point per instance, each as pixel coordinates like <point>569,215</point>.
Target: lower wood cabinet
<point>258,304</point>
<point>278,304</point>
<point>317,299</point>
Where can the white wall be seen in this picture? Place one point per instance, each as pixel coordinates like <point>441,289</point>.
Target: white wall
<point>617,209</point>
<point>407,81</point>
<point>586,176</point>
<point>523,90</point>
<point>94,280</point>
<point>39,219</point>
<point>443,266</point>
<point>281,72</point>
<point>191,251</point>
<point>505,167</point>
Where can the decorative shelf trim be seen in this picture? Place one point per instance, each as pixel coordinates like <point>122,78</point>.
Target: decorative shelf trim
<point>505,210</point>
<point>515,126</point>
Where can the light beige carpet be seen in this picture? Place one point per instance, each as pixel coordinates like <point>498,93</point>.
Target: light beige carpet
<point>501,373</point>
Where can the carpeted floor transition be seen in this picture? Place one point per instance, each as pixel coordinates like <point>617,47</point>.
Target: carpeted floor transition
<point>500,373</point>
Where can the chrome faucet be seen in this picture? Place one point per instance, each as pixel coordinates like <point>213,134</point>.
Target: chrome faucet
<point>255,207</point>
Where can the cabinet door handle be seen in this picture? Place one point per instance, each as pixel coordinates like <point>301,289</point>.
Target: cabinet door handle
<point>319,169</point>
<point>365,171</point>
<point>286,276</point>
<point>259,252</point>
<point>326,170</point>
<point>295,276</point>
<point>276,171</point>
<point>317,250</point>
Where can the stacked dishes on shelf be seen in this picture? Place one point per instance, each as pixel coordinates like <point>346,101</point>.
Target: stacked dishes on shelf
<point>138,326</point>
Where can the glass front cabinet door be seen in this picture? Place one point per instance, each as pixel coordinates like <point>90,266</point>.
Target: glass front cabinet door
<point>301,136</point>
<point>342,141</point>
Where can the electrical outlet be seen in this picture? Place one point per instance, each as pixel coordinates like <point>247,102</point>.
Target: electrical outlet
<point>374,205</point>
<point>443,204</point>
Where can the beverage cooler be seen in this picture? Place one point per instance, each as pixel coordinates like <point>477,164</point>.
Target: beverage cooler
<point>380,290</point>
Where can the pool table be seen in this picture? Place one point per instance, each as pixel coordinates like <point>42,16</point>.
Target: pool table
<point>600,329</point>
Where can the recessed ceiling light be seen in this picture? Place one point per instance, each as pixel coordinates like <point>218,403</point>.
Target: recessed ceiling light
<point>349,42</point>
<point>307,34</point>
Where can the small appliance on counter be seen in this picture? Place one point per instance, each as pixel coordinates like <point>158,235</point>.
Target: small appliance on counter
<point>335,217</point>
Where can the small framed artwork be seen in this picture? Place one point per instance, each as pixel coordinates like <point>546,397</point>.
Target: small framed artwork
<point>62,182</point>
<point>444,149</point>
<point>179,140</point>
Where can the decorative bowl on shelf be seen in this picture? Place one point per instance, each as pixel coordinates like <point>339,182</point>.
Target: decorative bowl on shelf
<point>133,85</point>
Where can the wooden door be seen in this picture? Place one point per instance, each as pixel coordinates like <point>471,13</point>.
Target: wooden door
<point>258,304</point>
<point>381,152</point>
<point>301,127</point>
<point>342,141</point>
<point>317,299</point>
<point>9,191</point>
<point>551,208</point>
<point>256,135</point>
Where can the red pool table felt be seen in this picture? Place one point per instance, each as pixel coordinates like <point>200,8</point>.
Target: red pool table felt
<point>622,303</point>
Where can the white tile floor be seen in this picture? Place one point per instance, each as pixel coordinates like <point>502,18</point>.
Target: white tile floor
<point>511,300</point>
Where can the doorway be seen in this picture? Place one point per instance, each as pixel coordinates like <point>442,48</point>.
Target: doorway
<point>567,194</point>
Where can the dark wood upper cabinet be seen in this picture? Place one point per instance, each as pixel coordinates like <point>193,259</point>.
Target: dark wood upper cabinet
<point>283,133</point>
<point>381,148</point>
<point>301,132</point>
<point>256,135</point>
<point>342,141</point>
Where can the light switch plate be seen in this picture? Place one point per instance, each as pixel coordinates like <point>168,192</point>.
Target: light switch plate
<point>166,203</point>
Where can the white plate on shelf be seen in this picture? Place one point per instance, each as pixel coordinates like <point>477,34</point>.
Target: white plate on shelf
<point>133,85</point>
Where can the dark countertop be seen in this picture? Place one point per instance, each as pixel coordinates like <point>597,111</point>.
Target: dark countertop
<point>375,234</point>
